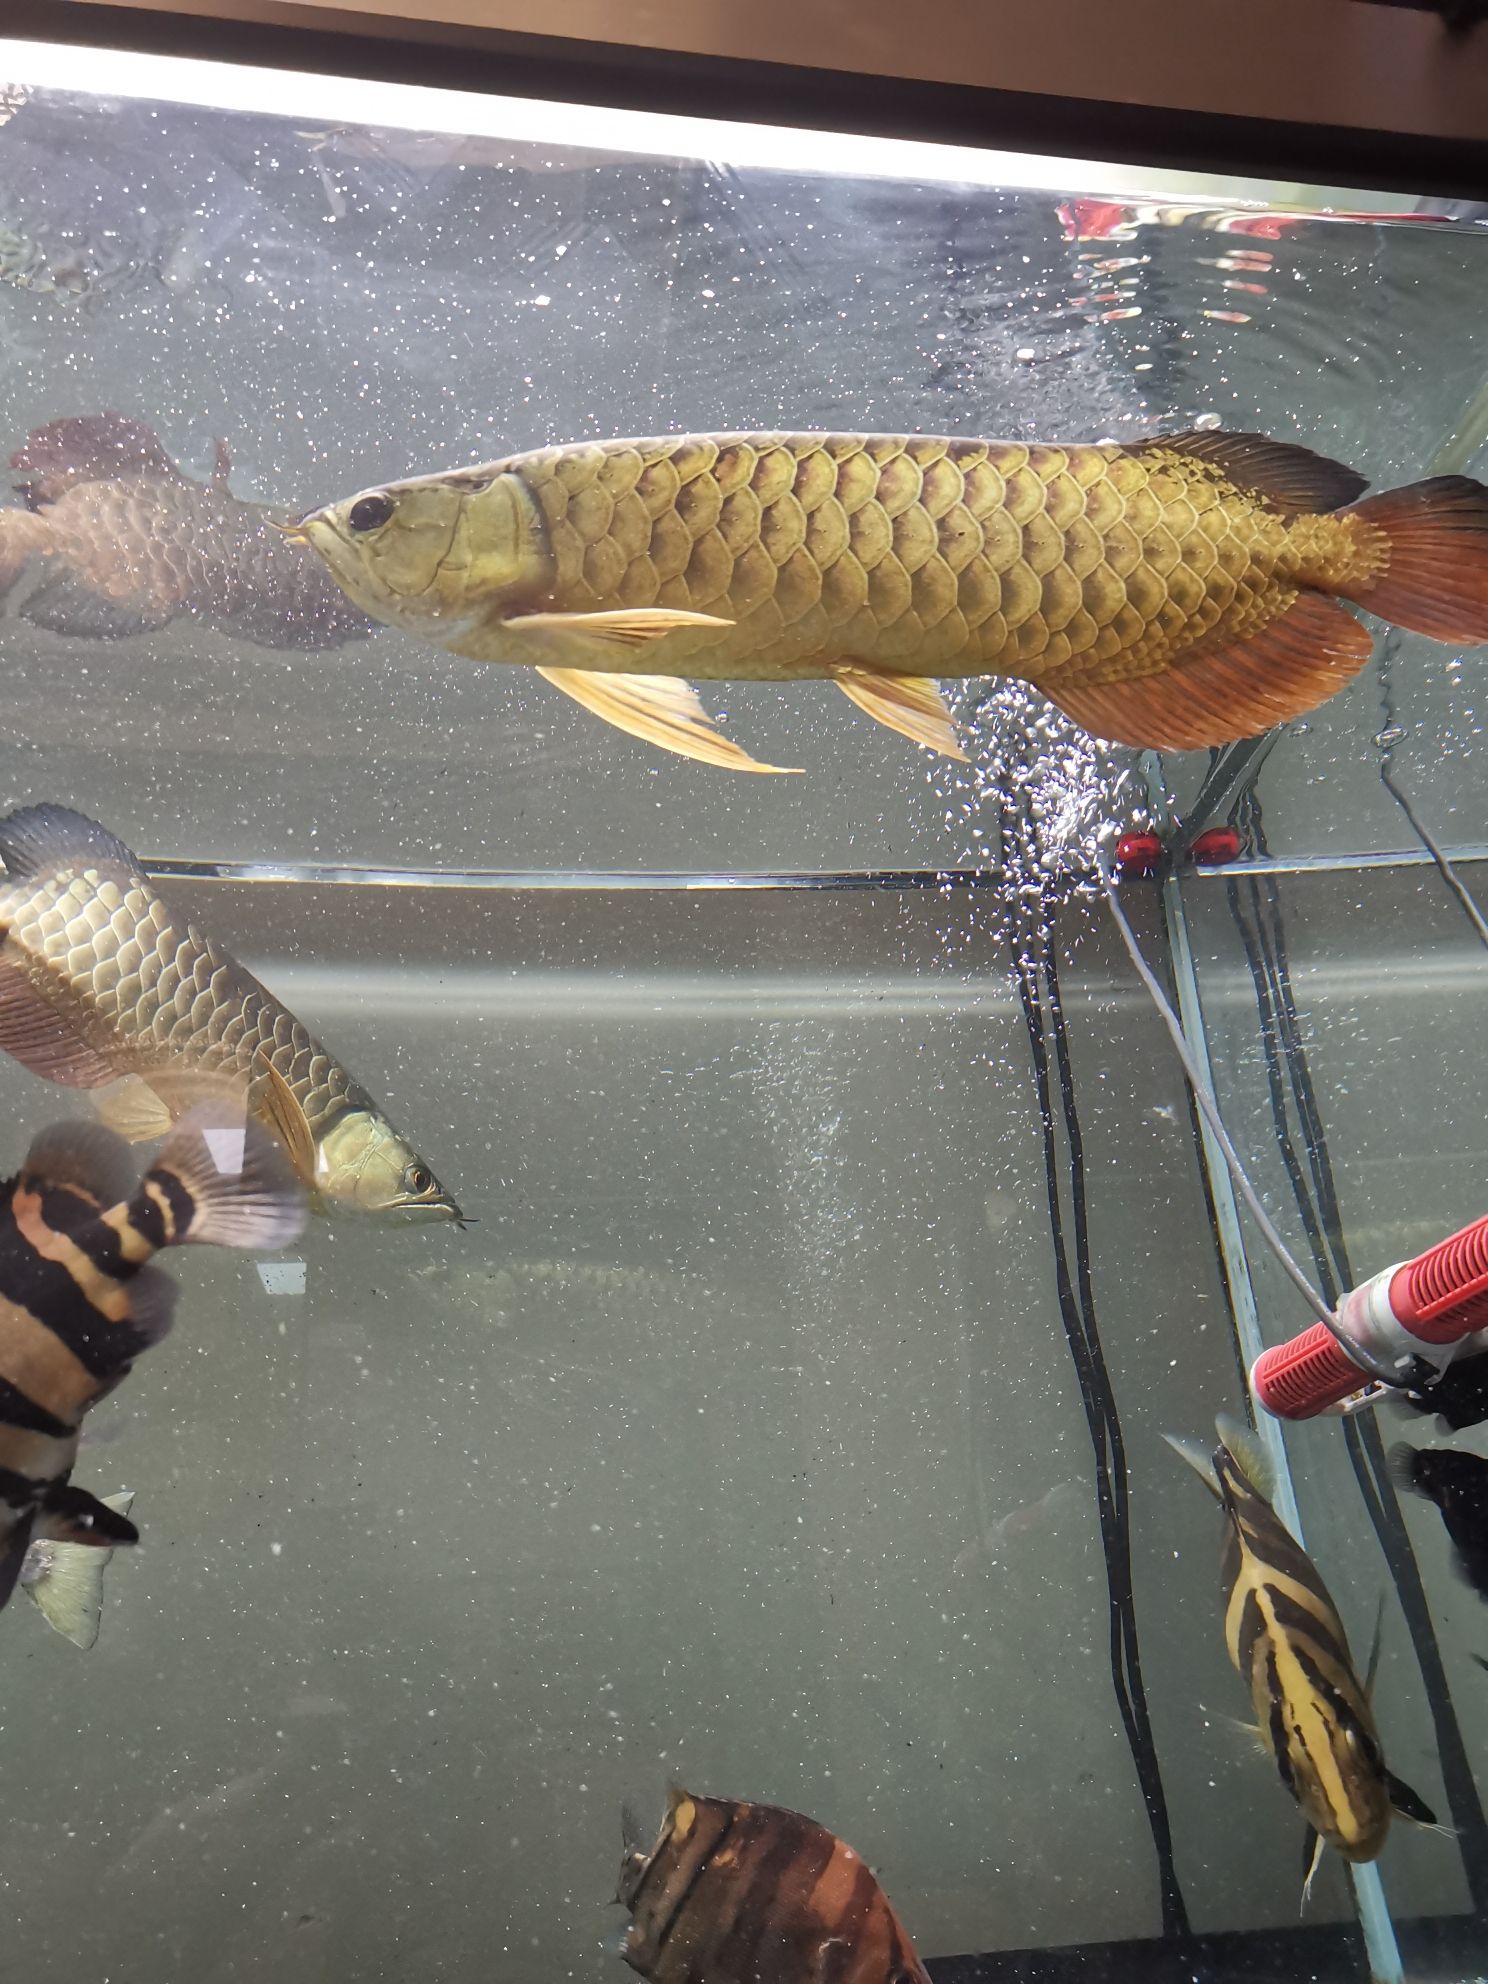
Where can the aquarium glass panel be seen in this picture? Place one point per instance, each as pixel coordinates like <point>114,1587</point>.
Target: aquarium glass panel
<point>759,1241</point>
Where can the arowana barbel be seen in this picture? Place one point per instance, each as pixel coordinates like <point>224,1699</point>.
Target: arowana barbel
<point>1163,593</point>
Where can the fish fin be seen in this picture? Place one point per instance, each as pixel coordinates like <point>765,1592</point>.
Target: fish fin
<point>1293,480</point>
<point>1243,1445</point>
<point>72,1515</point>
<point>1409,1804</point>
<point>609,634</point>
<point>84,1155</point>
<point>681,1811</point>
<point>273,1096</point>
<point>661,709</point>
<point>1376,1646</point>
<point>233,1172</point>
<point>1255,1736</point>
<point>22,537</point>
<point>1480,1660</point>
<point>69,1593</point>
<point>86,447</point>
<point>1218,694</point>
<point>61,603</point>
<point>911,704</point>
<point>37,840</point>
<point>633,1834</point>
<point>1403,1464</point>
<point>152,1306</point>
<point>141,1108</point>
<point>1191,1452</point>
<point>132,1110</point>
<point>1312,1859</point>
<point>1436,581</point>
<point>39,1038</point>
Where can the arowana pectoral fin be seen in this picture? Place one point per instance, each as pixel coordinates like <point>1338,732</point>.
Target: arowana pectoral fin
<point>275,1101</point>
<point>621,631</point>
<point>910,704</point>
<point>661,709</point>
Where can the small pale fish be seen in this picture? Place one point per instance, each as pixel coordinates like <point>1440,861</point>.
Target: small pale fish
<point>65,1581</point>
<point>143,1000</point>
<point>79,1301</point>
<point>1458,1484</point>
<point>116,539</point>
<point>1169,593</point>
<point>1286,1639</point>
<point>733,1893</point>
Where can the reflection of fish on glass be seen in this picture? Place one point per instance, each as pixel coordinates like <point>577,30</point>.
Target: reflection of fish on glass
<point>1286,1639</point>
<point>115,540</point>
<point>141,994</point>
<point>79,1300</point>
<point>1170,593</point>
<point>65,1580</point>
<point>736,1893</point>
<point>1027,1524</point>
<point>1458,1484</point>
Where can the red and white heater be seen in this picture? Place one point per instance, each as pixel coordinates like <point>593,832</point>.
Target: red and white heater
<point>1424,1311</point>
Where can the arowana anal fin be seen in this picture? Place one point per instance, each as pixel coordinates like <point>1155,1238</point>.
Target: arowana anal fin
<point>1223,693</point>
<point>911,704</point>
<point>661,709</point>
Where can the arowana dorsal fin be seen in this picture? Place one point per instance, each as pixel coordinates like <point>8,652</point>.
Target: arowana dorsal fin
<point>1293,480</point>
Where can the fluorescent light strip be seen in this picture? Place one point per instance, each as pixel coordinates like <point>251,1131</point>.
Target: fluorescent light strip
<point>319,100</point>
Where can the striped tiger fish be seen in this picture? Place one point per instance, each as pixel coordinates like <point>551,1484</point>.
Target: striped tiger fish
<point>733,1893</point>
<point>79,1302</point>
<point>1168,593</point>
<point>1286,1639</point>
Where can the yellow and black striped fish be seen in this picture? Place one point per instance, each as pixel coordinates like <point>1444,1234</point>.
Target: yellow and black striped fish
<point>733,1893</point>
<point>78,1302</point>
<point>1285,1637</point>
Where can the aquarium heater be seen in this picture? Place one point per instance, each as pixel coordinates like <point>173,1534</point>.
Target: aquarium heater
<point>1422,1312</point>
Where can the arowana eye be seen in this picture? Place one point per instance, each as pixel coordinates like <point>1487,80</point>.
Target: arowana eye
<point>371,512</point>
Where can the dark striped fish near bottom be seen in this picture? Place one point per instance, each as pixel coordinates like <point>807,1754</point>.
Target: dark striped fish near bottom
<point>1285,1637</point>
<point>734,1893</point>
<point>79,1302</point>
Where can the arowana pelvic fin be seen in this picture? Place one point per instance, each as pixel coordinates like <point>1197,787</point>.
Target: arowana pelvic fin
<point>661,709</point>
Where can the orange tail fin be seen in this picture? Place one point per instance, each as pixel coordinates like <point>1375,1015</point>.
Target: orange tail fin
<point>1435,579</point>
